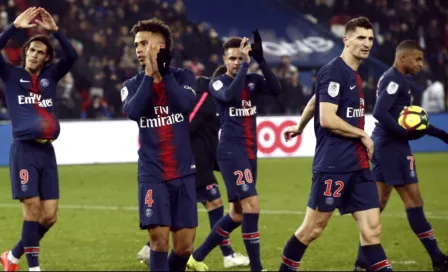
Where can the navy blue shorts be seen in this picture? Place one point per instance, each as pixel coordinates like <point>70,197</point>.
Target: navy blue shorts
<point>349,192</point>
<point>240,176</point>
<point>208,193</point>
<point>171,203</point>
<point>33,170</point>
<point>394,164</point>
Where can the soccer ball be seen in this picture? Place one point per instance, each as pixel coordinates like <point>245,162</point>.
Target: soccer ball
<point>413,118</point>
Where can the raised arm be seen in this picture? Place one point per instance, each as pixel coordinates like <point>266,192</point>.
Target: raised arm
<point>269,84</point>
<point>67,61</point>
<point>233,91</point>
<point>388,92</point>
<point>22,21</point>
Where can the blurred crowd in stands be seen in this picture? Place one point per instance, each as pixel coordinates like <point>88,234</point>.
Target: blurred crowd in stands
<point>100,32</point>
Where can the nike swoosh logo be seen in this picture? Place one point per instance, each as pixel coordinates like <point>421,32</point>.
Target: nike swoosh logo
<point>352,87</point>
<point>24,81</point>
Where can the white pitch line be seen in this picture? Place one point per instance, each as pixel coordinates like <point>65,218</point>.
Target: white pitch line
<point>431,215</point>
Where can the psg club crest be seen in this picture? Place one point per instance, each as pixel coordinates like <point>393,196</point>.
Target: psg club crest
<point>148,212</point>
<point>251,86</point>
<point>329,201</point>
<point>44,83</point>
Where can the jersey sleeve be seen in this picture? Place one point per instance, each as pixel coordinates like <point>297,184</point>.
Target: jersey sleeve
<point>268,84</point>
<point>69,58</point>
<point>181,93</point>
<point>388,90</point>
<point>225,91</point>
<point>330,86</point>
<point>5,67</point>
<point>135,100</point>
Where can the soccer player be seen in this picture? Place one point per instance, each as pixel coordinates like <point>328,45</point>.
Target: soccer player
<point>160,99</point>
<point>204,126</point>
<point>393,164</point>
<point>235,95</point>
<point>341,175</point>
<point>30,91</point>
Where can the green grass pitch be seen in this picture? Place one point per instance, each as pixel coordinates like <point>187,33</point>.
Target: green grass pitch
<point>97,227</point>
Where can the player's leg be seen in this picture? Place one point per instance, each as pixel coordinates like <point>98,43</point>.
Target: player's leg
<point>220,232</point>
<point>384,191</point>
<point>363,202</point>
<point>321,205</point>
<point>182,194</point>
<point>410,194</point>
<point>155,217</point>
<point>226,224</point>
<point>25,179</point>
<point>216,212</point>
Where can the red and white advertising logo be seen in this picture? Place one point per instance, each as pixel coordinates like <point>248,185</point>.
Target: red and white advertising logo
<point>270,136</point>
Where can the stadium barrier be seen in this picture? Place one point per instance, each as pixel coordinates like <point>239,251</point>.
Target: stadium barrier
<point>89,142</point>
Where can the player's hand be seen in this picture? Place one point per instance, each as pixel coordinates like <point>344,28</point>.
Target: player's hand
<point>257,48</point>
<point>245,49</point>
<point>163,61</point>
<point>368,143</point>
<point>292,132</point>
<point>25,18</point>
<point>47,22</point>
<point>151,59</point>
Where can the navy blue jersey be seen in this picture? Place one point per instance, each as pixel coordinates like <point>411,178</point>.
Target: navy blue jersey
<point>394,94</point>
<point>338,84</point>
<point>236,103</point>
<point>30,98</point>
<point>161,111</point>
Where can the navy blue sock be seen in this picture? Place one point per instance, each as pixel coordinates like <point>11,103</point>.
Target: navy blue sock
<point>158,261</point>
<point>251,238</point>
<point>30,241</point>
<point>214,217</point>
<point>376,258</point>
<point>176,262</point>
<point>424,232</point>
<point>18,250</point>
<point>220,232</point>
<point>292,254</point>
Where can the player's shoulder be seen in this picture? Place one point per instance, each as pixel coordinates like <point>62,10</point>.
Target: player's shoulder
<point>332,70</point>
<point>134,80</point>
<point>181,72</point>
<point>392,81</point>
<point>218,82</point>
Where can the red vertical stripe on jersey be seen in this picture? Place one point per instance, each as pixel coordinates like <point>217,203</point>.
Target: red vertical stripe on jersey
<point>360,148</point>
<point>248,128</point>
<point>167,151</point>
<point>48,121</point>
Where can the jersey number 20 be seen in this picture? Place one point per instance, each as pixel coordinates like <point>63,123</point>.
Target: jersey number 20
<point>241,176</point>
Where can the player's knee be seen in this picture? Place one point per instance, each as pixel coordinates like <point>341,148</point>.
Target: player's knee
<point>215,204</point>
<point>159,243</point>
<point>250,205</point>
<point>413,201</point>
<point>32,209</point>
<point>184,249</point>
<point>372,235</point>
<point>308,233</point>
<point>236,216</point>
<point>49,220</point>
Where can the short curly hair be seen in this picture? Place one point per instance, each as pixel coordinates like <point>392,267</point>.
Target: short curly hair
<point>155,26</point>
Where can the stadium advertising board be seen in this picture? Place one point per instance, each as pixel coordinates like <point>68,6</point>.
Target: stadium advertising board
<point>90,142</point>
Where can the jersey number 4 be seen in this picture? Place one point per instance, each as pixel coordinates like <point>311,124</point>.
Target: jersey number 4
<point>329,184</point>
<point>148,199</point>
<point>247,175</point>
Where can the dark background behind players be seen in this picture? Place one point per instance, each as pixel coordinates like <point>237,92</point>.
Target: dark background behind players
<point>105,50</point>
